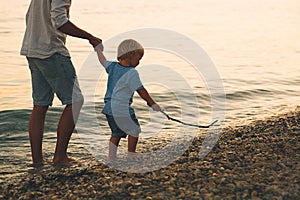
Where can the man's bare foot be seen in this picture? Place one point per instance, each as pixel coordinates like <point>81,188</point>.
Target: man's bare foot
<point>37,165</point>
<point>65,162</point>
<point>41,164</point>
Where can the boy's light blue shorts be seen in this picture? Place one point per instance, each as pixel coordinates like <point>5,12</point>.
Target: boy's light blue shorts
<point>55,74</point>
<point>123,126</point>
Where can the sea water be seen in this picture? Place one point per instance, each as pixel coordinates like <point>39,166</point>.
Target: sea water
<point>254,46</point>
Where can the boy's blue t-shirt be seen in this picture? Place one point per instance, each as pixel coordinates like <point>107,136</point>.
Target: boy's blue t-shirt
<point>121,85</point>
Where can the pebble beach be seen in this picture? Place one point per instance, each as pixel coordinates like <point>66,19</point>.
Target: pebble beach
<point>259,160</point>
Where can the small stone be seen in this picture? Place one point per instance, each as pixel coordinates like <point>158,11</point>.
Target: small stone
<point>253,194</point>
<point>239,134</point>
<point>233,142</point>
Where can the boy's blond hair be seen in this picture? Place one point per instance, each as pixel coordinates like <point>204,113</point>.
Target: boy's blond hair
<point>128,46</point>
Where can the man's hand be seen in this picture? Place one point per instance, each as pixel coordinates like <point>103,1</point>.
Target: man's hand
<point>96,42</point>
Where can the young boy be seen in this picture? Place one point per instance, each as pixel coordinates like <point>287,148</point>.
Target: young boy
<point>123,81</point>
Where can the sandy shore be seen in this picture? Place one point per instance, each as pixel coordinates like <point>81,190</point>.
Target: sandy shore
<point>255,161</point>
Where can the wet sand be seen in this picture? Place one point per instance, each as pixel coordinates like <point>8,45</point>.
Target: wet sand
<point>255,161</point>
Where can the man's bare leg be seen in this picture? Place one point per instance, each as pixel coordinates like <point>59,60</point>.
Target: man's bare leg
<point>36,131</point>
<point>65,129</point>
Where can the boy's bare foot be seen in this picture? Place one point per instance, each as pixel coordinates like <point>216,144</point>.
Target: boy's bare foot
<point>112,158</point>
<point>133,154</point>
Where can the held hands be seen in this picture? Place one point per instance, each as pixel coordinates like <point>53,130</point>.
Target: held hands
<point>96,43</point>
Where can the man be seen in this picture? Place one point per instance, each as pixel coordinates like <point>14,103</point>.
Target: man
<point>47,24</point>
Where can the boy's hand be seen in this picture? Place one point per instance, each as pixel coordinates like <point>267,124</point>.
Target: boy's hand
<point>156,107</point>
<point>99,50</point>
<point>99,47</point>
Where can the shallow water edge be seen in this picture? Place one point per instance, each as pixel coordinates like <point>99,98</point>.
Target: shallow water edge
<point>259,160</point>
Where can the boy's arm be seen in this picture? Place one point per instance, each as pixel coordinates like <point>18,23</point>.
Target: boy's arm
<point>100,55</point>
<point>150,102</point>
<point>145,95</point>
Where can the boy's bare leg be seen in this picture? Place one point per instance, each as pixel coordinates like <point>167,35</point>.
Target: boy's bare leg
<point>65,129</point>
<point>36,131</point>
<point>113,146</point>
<point>132,142</point>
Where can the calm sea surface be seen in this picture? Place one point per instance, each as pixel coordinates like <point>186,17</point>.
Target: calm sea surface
<point>255,46</point>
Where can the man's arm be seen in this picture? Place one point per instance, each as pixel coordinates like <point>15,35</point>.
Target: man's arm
<point>60,19</point>
<point>71,29</point>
